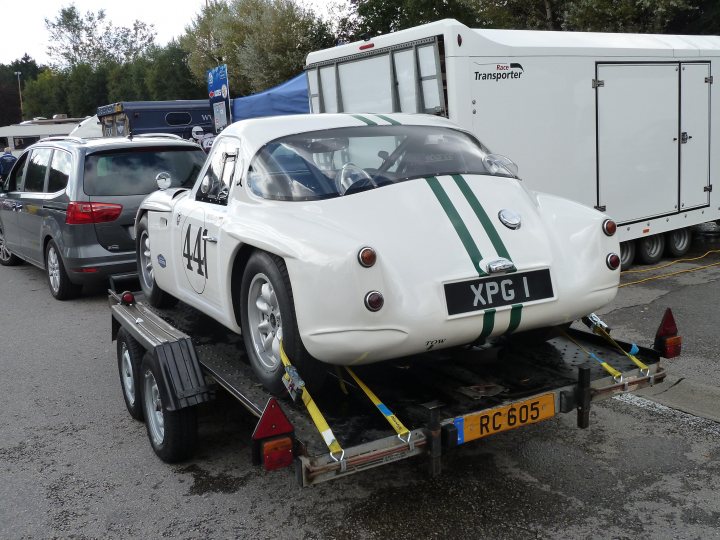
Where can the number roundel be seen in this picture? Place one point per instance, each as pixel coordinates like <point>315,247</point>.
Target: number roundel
<point>194,250</point>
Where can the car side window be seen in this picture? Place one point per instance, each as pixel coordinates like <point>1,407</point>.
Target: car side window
<point>60,168</point>
<point>16,177</point>
<point>37,170</point>
<point>216,182</point>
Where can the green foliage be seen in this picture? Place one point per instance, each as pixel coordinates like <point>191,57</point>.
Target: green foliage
<point>381,17</point>
<point>639,16</point>
<point>86,89</point>
<point>168,75</point>
<point>46,95</point>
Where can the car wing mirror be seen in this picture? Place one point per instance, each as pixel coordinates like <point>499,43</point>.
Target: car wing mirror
<point>502,165</point>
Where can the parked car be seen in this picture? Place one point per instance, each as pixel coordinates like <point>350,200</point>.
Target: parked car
<point>68,205</point>
<point>359,238</point>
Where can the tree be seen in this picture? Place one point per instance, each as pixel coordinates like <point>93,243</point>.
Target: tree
<point>169,76</point>
<point>86,89</point>
<point>46,95</point>
<point>383,16</point>
<point>93,40</point>
<point>640,16</point>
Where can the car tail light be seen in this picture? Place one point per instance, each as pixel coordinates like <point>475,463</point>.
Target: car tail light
<point>367,257</point>
<point>609,227</point>
<point>667,341</point>
<point>613,261</point>
<point>81,213</point>
<point>374,301</point>
<point>273,438</point>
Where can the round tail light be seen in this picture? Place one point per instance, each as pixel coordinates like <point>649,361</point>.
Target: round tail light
<point>374,301</point>
<point>613,261</point>
<point>367,257</point>
<point>609,227</point>
<point>127,298</point>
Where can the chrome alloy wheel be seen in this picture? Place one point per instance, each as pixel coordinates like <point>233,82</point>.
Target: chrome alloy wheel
<point>146,265</point>
<point>128,375</point>
<point>153,409</point>
<point>264,322</point>
<point>4,253</point>
<point>53,269</point>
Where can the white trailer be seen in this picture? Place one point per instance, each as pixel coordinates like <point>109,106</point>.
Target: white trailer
<point>619,122</point>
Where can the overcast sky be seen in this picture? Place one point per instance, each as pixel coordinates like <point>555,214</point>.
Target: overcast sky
<point>22,22</point>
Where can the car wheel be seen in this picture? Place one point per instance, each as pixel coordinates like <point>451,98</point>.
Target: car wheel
<point>60,285</point>
<point>650,249</point>
<point>7,258</point>
<point>677,243</point>
<point>130,355</point>
<point>172,434</point>
<point>267,316</point>
<point>155,295</point>
<point>627,254</point>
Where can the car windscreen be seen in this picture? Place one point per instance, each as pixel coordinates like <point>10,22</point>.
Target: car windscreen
<point>336,162</point>
<point>133,172</point>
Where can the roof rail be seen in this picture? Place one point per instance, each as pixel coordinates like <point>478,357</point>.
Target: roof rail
<point>160,135</point>
<point>63,138</point>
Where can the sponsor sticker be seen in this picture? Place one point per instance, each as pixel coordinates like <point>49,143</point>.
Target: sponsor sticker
<point>499,72</point>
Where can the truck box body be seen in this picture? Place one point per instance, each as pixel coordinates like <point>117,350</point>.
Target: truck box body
<point>620,122</point>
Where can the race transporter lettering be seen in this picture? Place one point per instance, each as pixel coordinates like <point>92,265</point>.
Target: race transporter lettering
<point>501,72</point>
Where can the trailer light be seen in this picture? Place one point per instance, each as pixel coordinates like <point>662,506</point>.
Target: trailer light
<point>127,298</point>
<point>367,46</point>
<point>273,438</point>
<point>609,227</point>
<point>367,257</point>
<point>667,341</point>
<point>374,301</point>
<point>277,453</point>
<point>613,261</point>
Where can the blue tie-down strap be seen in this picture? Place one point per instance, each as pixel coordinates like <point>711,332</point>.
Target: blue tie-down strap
<point>460,425</point>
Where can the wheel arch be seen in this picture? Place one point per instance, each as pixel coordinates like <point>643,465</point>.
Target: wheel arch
<point>240,260</point>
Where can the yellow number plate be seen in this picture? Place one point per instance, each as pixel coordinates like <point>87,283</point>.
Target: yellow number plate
<point>481,424</point>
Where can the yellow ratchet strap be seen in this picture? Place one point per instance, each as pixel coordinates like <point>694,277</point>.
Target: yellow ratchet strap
<point>393,420</point>
<point>611,370</point>
<point>602,332</point>
<point>317,417</point>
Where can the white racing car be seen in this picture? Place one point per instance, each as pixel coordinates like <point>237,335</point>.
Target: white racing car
<point>360,238</point>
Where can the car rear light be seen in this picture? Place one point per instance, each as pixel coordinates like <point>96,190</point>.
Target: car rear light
<point>367,257</point>
<point>667,341</point>
<point>374,301</point>
<point>81,213</point>
<point>613,261</point>
<point>609,227</point>
<point>273,438</point>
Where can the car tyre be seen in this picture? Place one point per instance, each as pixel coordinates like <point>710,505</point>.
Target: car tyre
<point>678,242</point>
<point>7,258</point>
<point>130,355</point>
<point>650,249</point>
<point>172,434</point>
<point>627,254</point>
<point>267,317</point>
<point>60,285</point>
<point>155,296</point>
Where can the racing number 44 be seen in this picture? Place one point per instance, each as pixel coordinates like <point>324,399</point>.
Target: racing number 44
<point>198,252</point>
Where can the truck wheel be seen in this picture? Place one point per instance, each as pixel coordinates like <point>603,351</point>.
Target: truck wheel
<point>172,434</point>
<point>7,258</point>
<point>267,316</point>
<point>650,249</point>
<point>677,243</point>
<point>60,285</point>
<point>155,296</point>
<point>627,254</point>
<point>130,354</point>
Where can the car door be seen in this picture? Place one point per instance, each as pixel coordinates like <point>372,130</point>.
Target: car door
<point>9,205</point>
<point>31,205</point>
<point>197,223</point>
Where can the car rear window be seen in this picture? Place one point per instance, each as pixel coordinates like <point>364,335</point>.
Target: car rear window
<point>133,172</point>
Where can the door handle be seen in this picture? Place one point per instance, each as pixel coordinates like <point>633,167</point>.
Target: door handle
<point>210,239</point>
<point>684,137</point>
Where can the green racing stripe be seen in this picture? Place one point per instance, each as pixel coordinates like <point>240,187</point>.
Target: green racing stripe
<point>488,324</point>
<point>388,119</point>
<point>515,316</point>
<point>365,120</point>
<point>457,222</point>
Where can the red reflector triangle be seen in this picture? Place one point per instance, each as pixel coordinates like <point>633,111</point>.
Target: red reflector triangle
<point>667,327</point>
<point>273,422</point>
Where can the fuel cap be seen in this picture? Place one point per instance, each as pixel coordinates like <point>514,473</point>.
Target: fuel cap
<point>510,218</point>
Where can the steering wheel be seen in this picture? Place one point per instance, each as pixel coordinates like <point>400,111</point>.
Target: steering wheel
<point>350,175</point>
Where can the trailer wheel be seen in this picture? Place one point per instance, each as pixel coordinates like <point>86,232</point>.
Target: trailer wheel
<point>267,316</point>
<point>172,434</point>
<point>627,254</point>
<point>677,243</point>
<point>130,355</point>
<point>156,297</point>
<point>651,248</point>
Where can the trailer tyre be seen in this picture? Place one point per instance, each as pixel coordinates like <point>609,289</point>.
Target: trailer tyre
<point>130,355</point>
<point>650,249</point>
<point>627,254</point>
<point>677,243</point>
<point>267,316</point>
<point>172,434</point>
<point>155,296</point>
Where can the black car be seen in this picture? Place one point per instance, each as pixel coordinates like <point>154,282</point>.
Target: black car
<point>68,205</point>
